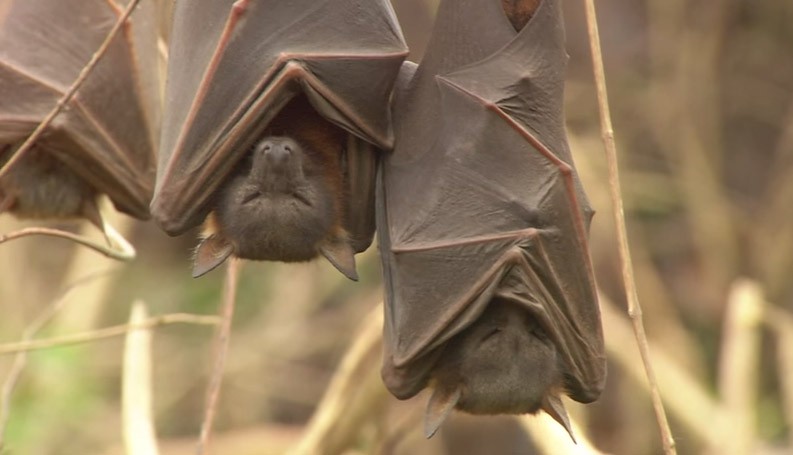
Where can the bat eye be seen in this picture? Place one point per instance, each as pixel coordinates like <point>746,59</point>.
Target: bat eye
<point>539,333</point>
<point>267,148</point>
<point>490,334</point>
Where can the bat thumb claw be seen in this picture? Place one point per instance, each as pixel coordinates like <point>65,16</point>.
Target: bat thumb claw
<point>553,406</point>
<point>341,255</point>
<point>439,407</point>
<point>211,252</point>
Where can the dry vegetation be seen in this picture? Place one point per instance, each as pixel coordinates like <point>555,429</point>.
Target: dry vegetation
<point>702,103</point>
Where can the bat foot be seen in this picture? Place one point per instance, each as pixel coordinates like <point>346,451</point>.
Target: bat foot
<point>211,252</point>
<point>341,255</point>
<point>552,405</point>
<point>439,407</point>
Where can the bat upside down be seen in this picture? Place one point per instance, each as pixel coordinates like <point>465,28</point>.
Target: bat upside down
<point>504,363</point>
<point>489,291</point>
<point>284,200</point>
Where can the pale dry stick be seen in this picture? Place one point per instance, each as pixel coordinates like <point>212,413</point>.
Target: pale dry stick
<point>64,100</point>
<point>140,437</point>
<point>21,358</point>
<point>740,365</point>
<point>551,438</point>
<point>107,332</point>
<point>688,401</point>
<point>123,251</point>
<point>221,350</point>
<point>634,309</point>
<point>355,394</point>
<point>89,301</point>
<point>781,322</point>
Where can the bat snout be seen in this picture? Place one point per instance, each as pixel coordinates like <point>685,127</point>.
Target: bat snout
<point>278,154</point>
<point>278,150</point>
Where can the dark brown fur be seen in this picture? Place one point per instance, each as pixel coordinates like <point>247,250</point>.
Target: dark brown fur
<point>519,12</point>
<point>286,211</point>
<point>40,186</point>
<point>503,363</point>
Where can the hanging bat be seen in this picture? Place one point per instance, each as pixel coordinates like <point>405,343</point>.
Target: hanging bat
<point>275,114</point>
<point>490,296</point>
<point>104,141</point>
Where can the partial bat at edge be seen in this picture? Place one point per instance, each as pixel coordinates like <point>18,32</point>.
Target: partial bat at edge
<point>234,67</point>
<point>479,205</point>
<point>104,141</point>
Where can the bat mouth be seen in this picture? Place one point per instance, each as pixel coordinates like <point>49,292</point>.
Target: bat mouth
<point>254,195</point>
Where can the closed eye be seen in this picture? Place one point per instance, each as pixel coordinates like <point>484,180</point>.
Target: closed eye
<point>539,333</point>
<point>250,196</point>
<point>490,334</point>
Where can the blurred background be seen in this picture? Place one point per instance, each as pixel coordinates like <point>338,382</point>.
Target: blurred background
<point>702,103</point>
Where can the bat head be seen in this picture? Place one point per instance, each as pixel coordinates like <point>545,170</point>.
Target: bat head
<point>277,207</point>
<point>41,187</point>
<point>504,363</point>
<point>278,166</point>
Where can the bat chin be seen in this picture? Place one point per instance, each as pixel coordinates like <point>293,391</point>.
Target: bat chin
<point>41,187</point>
<point>503,363</point>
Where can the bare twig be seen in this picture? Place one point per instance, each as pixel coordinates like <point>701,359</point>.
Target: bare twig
<point>87,304</point>
<point>688,401</point>
<point>107,332</point>
<point>740,365</point>
<point>124,251</point>
<point>221,349</point>
<point>353,396</point>
<point>64,100</point>
<point>138,425</point>
<point>634,309</point>
<point>21,358</point>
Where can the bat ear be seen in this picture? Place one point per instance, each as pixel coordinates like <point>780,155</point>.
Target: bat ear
<point>553,406</point>
<point>338,251</point>
<point>438,408</point>
<point>211,252</point>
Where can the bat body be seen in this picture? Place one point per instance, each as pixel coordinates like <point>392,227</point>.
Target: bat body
<point>318,73</point>
<point>490,296</point>
<point>104,142</point>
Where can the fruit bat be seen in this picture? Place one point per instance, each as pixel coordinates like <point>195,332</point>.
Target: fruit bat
<point>275,115</point>
<point>104,141</point>
<point>482,222</point>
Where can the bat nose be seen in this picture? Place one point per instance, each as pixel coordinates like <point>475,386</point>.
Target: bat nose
<point>278,154</point>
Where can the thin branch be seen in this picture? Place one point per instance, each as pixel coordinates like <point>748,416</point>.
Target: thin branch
<point>107,332</point>
<point>634,309</point>
<point>221,350</point>
<point>739,364</point>
<point>690,403</point>
<point>64,100</point>
<point>20,360</point>
<point>123,251</point>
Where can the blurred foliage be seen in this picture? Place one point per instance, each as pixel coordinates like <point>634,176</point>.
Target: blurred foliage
<point>702,99</point>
